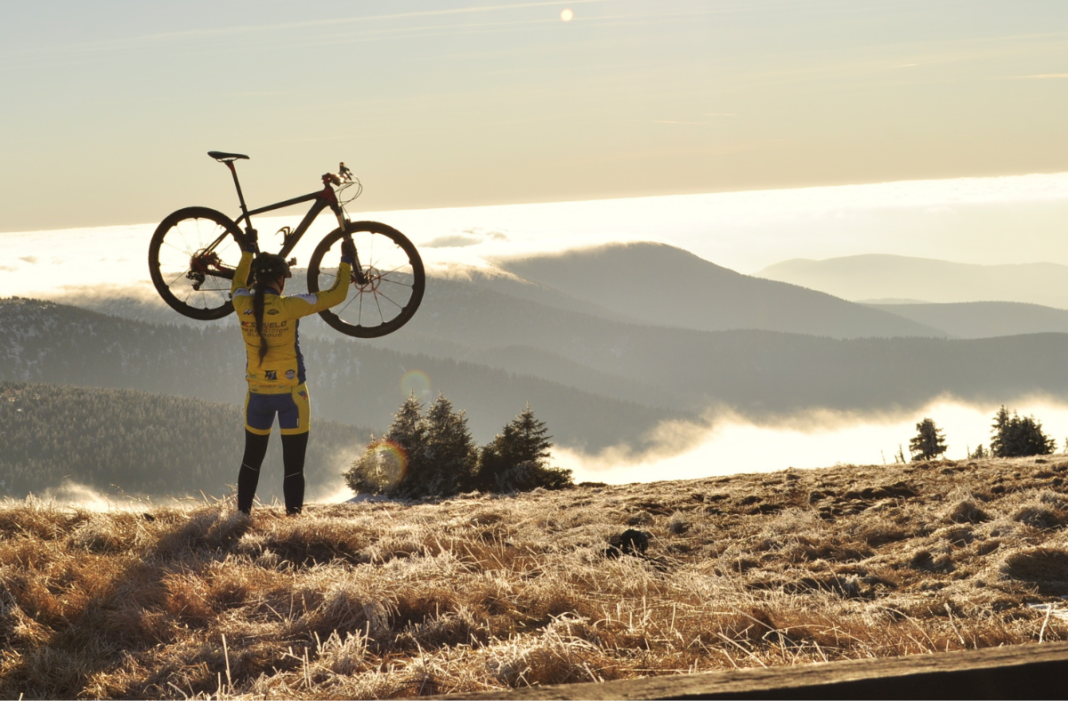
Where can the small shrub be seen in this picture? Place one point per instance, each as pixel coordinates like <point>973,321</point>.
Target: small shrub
<point>529,475</point>
<point>420,456</point>
<point>517,459</point>
<point>1016,436</point>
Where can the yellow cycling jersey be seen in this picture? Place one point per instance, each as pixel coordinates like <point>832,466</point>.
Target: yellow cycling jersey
<point>283,366</point>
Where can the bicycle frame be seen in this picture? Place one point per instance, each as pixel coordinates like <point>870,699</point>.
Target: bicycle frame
<point>323,199</point>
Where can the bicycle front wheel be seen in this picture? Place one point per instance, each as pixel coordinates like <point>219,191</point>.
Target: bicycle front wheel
<point>192,258</point>
<point>392,286</point>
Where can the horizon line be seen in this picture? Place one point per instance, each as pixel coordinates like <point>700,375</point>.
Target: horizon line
<point>677,195</point>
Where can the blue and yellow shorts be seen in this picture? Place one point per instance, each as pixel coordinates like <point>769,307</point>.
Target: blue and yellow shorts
<point>291,404</point>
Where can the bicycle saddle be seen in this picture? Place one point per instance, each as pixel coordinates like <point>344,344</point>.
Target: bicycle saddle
<point>223,157</point>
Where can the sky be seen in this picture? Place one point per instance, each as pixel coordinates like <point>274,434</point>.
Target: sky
<point>109,107</point>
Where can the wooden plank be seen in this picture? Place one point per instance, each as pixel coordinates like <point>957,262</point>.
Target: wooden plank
<point>1018,671</point>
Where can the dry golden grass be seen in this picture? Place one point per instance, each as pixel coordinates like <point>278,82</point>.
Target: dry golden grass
<point>486,592</point>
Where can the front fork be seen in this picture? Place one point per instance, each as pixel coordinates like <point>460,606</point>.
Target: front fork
<point>342,221</point>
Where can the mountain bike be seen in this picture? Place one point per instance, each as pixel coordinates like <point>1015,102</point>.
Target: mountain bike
<point>195,251</point>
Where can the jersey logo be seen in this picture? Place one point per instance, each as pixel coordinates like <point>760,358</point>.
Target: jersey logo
<point>303,395</point>
<point>271,374</point>
<point>247,312</point>
<point>290,374</point>
<point>272,312</point>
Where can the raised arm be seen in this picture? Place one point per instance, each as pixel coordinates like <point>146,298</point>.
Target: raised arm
<point>241,273</point>
<point>249,248</point>
<point>313,303</point>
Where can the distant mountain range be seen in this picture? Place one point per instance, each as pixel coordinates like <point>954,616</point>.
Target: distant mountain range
<point>983,319</point>
<point>760,373</point>
<point>886,277</point>
<point>644,283</point>
<point>350,382</point>
<point>660,285</point>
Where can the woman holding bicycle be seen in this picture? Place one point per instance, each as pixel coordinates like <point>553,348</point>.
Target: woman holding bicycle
<point>275,366</point>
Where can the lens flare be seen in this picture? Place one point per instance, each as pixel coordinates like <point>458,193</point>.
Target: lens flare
<point>415,383</point>
<point>385,463</point>
<point>567,15</point>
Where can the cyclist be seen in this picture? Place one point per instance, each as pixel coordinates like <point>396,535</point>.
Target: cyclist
<point>275,367</point>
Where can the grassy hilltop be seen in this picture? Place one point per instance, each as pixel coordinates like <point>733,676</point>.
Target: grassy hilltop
<point>380,599</point>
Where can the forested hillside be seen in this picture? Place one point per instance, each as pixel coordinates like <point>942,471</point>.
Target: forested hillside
<point>122,441</point>
<point>759,373</point>
<point>350,382</point>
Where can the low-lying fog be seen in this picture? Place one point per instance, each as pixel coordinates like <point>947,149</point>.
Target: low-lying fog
<point>730,444</point>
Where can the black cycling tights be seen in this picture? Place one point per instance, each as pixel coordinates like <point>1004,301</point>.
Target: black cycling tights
<point>293,449</point>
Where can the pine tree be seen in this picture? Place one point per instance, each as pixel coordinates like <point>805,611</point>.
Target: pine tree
<point>1018,436</point>
<point>929,441</point>
<point>450,454</point>
<point>420,456</point>
<point>518,458</point>
<point>407,430</point>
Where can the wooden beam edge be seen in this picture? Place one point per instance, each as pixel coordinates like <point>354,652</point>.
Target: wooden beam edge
<point>743,681</point>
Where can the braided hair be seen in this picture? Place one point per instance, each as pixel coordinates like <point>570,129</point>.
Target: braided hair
<point>266,267</point>
<point>257,310</point>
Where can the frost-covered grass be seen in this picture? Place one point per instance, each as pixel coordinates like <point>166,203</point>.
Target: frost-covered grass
<point>381,599</point>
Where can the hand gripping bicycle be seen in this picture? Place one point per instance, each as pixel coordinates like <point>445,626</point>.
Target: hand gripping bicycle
<point>195,251</point>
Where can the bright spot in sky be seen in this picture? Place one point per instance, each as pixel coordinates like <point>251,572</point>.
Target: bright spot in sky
<point>567,15</point>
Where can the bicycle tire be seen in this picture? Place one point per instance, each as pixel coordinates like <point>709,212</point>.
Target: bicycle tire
<point>395,284</point>
<point>173,253</point>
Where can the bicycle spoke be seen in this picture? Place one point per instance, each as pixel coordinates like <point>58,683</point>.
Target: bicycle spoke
<point>186,252</point>
<point>380,314</point>
<point>348,303</point>
<point>395,282</point>
<point>405,264</point>
<point>185,241</point>
<point>180,275</point>
<point>384,295</point>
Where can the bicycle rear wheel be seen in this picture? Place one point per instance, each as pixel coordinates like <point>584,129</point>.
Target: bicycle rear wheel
<point>394,280</point>
<point>192,258</point>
